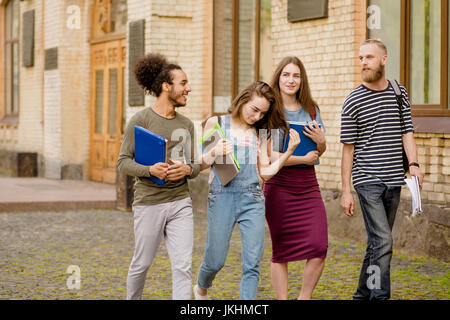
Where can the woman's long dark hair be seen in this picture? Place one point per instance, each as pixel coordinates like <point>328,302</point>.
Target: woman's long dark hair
<point>304,96</point>
<point>273,119</point>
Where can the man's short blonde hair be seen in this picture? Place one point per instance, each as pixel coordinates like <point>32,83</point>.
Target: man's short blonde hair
<point>376,42</point>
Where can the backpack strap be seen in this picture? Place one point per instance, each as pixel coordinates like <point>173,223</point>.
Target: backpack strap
<point>398,92</point>
<point>398,96</point>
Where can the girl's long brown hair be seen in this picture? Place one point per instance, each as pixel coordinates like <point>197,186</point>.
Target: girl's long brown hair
<point>304,96</point>
<point>273,119</point>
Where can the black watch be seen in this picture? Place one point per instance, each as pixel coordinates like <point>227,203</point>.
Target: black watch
<point>414,164</point>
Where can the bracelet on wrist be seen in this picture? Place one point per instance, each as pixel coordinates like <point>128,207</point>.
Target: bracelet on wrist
<point>415,164</point>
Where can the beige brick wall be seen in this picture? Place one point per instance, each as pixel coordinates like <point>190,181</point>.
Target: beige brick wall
<point>174,33</point>
<point>9,136</point>
<point>54,104</point>
<point>176,29</point>
<point>74,66</point>
<point>182,30</point>
<point>30,130</point>
<point>434,154</point>
<point>52,151</point>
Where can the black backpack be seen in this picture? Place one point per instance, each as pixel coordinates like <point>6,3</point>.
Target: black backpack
<point>399,97</point>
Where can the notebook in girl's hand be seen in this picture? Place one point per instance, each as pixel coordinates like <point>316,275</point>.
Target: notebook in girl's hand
<point>306,143</point>
<point>149,148</point>
<point>226,167</point>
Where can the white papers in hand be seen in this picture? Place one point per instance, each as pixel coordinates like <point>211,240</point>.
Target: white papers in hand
<point>413,185</point>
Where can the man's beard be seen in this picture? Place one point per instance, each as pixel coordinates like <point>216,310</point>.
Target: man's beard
<point>373,75</point>
<point>173,98</point>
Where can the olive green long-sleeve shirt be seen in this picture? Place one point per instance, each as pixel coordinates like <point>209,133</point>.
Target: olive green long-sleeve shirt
<point>179,133</point>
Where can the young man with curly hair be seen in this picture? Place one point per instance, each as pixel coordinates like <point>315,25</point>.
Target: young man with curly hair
<point>162,210</point>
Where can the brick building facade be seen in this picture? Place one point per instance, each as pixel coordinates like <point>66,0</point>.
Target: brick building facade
<point>66,91</point>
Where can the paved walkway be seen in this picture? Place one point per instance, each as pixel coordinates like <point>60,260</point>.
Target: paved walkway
<point>38,248</point>
<point>31,194</point>
<point>40,241</point>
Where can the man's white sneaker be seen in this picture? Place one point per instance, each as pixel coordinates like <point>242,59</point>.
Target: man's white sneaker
<point>198,296</point>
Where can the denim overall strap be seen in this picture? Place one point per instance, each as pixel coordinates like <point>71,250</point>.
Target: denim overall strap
<point>246,153</point>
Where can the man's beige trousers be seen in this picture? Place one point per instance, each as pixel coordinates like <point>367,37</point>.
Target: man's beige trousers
<point>174,220</point>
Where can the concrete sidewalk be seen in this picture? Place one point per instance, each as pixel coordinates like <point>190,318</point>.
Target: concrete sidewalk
<point>31,194</point>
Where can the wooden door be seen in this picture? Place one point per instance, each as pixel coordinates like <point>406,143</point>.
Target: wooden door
<point>108,62</point>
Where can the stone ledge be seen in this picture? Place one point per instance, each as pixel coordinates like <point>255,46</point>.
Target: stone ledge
<point>55,205</point>
<point>438,214</point>
<point>72,172</point>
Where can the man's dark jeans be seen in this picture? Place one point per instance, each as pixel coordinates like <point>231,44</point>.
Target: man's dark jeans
<point>379,204</point>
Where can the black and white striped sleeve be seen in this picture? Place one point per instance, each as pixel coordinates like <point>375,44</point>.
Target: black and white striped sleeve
<point>349,129</point>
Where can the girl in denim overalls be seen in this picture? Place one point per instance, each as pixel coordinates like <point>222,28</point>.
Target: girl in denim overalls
<point>241,201</point>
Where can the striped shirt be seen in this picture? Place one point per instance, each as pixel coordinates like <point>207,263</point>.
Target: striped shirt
<point>371,122</point>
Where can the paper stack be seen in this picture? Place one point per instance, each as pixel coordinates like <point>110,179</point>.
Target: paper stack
<point>413,185</point>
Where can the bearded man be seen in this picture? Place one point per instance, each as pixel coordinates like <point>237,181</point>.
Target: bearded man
<point>373,136</point>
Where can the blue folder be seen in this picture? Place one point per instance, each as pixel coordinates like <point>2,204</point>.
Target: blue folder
<point>306,143</point>
<point>149,148</point>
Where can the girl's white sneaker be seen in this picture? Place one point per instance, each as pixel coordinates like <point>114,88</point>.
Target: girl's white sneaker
<point>198,296</point>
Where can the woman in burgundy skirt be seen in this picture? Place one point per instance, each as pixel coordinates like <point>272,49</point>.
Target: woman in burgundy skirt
<point>295,211</point>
